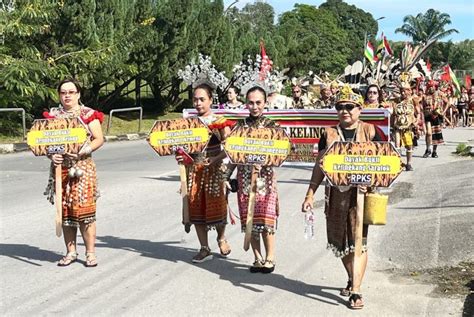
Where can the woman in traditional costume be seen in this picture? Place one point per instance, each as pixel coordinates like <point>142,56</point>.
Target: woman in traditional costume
<point>207,196</point>
<point>79,179</point>
<point>341,202</point>
<point>266,208</point>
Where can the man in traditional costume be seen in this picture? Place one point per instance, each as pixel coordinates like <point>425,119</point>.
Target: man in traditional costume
<point>433,105</point>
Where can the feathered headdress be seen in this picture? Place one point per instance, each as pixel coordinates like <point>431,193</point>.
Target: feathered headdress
<point>204,72</point>
<point>411,64</point>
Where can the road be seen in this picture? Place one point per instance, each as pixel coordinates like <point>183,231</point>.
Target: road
<point>144,255</point>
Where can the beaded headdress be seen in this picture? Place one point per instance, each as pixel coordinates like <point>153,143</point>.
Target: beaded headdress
<point>347,95</point>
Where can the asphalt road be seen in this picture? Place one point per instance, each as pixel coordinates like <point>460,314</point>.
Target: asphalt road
<point>144,255</point>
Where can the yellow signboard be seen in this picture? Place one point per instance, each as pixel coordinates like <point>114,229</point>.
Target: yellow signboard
<point>62,135</point>
<point>262,146</point>
<point>356,163</point>
<point>169,135</point>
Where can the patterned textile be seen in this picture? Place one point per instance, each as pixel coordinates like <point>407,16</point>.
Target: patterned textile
<point>79,192</point>
<point>341,203</point>
<point>207,199</point>
<point>266,199</point>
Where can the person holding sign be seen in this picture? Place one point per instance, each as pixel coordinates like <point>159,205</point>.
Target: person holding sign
<point>79,180</point>
<point>266,207</point>
<point>207,198</point>
<point>341,202</point>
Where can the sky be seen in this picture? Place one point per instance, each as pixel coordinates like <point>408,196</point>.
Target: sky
<point>460,11</point>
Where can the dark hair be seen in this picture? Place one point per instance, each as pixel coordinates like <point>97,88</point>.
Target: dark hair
<point>205,87</point>
<point>70,80</point>
<point>237,91</point>
<point>257,88</point>
<point>379,91</point>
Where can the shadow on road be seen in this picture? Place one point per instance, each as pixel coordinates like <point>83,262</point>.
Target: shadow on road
<point>164,178</point>
<point>437,207</point>
<point>227,269</point>
<point>25,253</point>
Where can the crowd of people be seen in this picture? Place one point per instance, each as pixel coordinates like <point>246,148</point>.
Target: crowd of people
<point>415,111</point>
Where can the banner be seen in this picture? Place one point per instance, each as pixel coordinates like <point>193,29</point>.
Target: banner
<point>304,127</point>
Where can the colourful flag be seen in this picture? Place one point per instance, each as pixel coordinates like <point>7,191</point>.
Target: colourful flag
<point>386,45</point>
<point>452,77</point>
<point>369,52</point>
<point>266,64</point>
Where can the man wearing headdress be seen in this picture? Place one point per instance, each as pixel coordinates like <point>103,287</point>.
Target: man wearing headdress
<point>327,99</point>
<point>300,101</point>
<point>432,104</point>
<point>404,120</point>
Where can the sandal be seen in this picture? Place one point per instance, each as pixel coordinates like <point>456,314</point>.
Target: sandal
<point>224,247</point>
<point>347,291</point>
<point>68,259</point>
<point>355,301</point>
<point>257,266</point>
<point>203,255</point>
<point>268,266</point>
<point>91,259</point>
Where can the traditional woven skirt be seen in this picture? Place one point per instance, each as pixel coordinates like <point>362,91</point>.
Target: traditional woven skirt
<point>341,212</point>
<point>79,194</point>
<point>207,199</point>
<point>436,129</point>
<point>266,200</point>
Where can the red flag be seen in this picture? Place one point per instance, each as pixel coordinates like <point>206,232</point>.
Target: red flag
<point>266,64</point>
<point>467,81</point>
<point>388,49</point>
<point>428,65</point>
<point>445,76</point>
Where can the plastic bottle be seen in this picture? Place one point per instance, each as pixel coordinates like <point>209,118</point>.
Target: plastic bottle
<point>309,225</point>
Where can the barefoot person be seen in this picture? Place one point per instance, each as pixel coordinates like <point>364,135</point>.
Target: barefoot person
<point>207,198</point>
<point>79,180</point>
<point>266,202</point>
<point>341,203</point>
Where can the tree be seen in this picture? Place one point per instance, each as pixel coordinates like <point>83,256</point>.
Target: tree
<point>357,23</point>
<point>425,27</point>
<point>313,40</point>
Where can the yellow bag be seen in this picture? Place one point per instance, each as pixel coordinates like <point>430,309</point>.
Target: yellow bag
<point>375,209</point>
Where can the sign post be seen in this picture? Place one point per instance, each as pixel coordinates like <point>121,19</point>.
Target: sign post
<point>180,136</point>
<point>57,136</point>
<point>256,147</point>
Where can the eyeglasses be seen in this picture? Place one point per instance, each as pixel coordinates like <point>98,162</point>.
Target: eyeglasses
<point>64,93</point>
<point>345,106</point>
<point>372,92</point>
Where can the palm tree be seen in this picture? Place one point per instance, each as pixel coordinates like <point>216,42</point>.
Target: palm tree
<point>428,26</point>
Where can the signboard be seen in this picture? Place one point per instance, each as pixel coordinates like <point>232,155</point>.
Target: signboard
<point>257,146</point>
<point>304,127</point>
<point>361,163</point>
<point>169,135</point>
<point>56,136</point>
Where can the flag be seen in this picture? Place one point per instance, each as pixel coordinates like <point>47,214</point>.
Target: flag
<point>468,81</point>
<point>452,77</point>
<point>266,64</point>
<point>369,52</point>
<point>428,64</point>
<point>386,45</point>
<point>380,47</point>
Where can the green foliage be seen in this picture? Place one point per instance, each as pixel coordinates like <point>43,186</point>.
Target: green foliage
<point>426,26</point>
<point>463,149</point>
<point>356,22</point>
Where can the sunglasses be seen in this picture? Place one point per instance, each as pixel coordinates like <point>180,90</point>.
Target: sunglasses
<point>345,106</point>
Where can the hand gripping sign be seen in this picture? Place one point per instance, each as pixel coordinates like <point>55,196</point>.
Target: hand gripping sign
<point>180,136</point>
<point>57,136</point>
<point>256,146</point>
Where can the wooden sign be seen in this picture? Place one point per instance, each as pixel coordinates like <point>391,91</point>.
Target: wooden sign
<point>361,163</point>
<point>260,146</point>
<point>189,134</point>
<point>56,136</point>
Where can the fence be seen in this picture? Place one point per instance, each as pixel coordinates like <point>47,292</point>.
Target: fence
<point>23,115</point>
<point>109,123</point>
